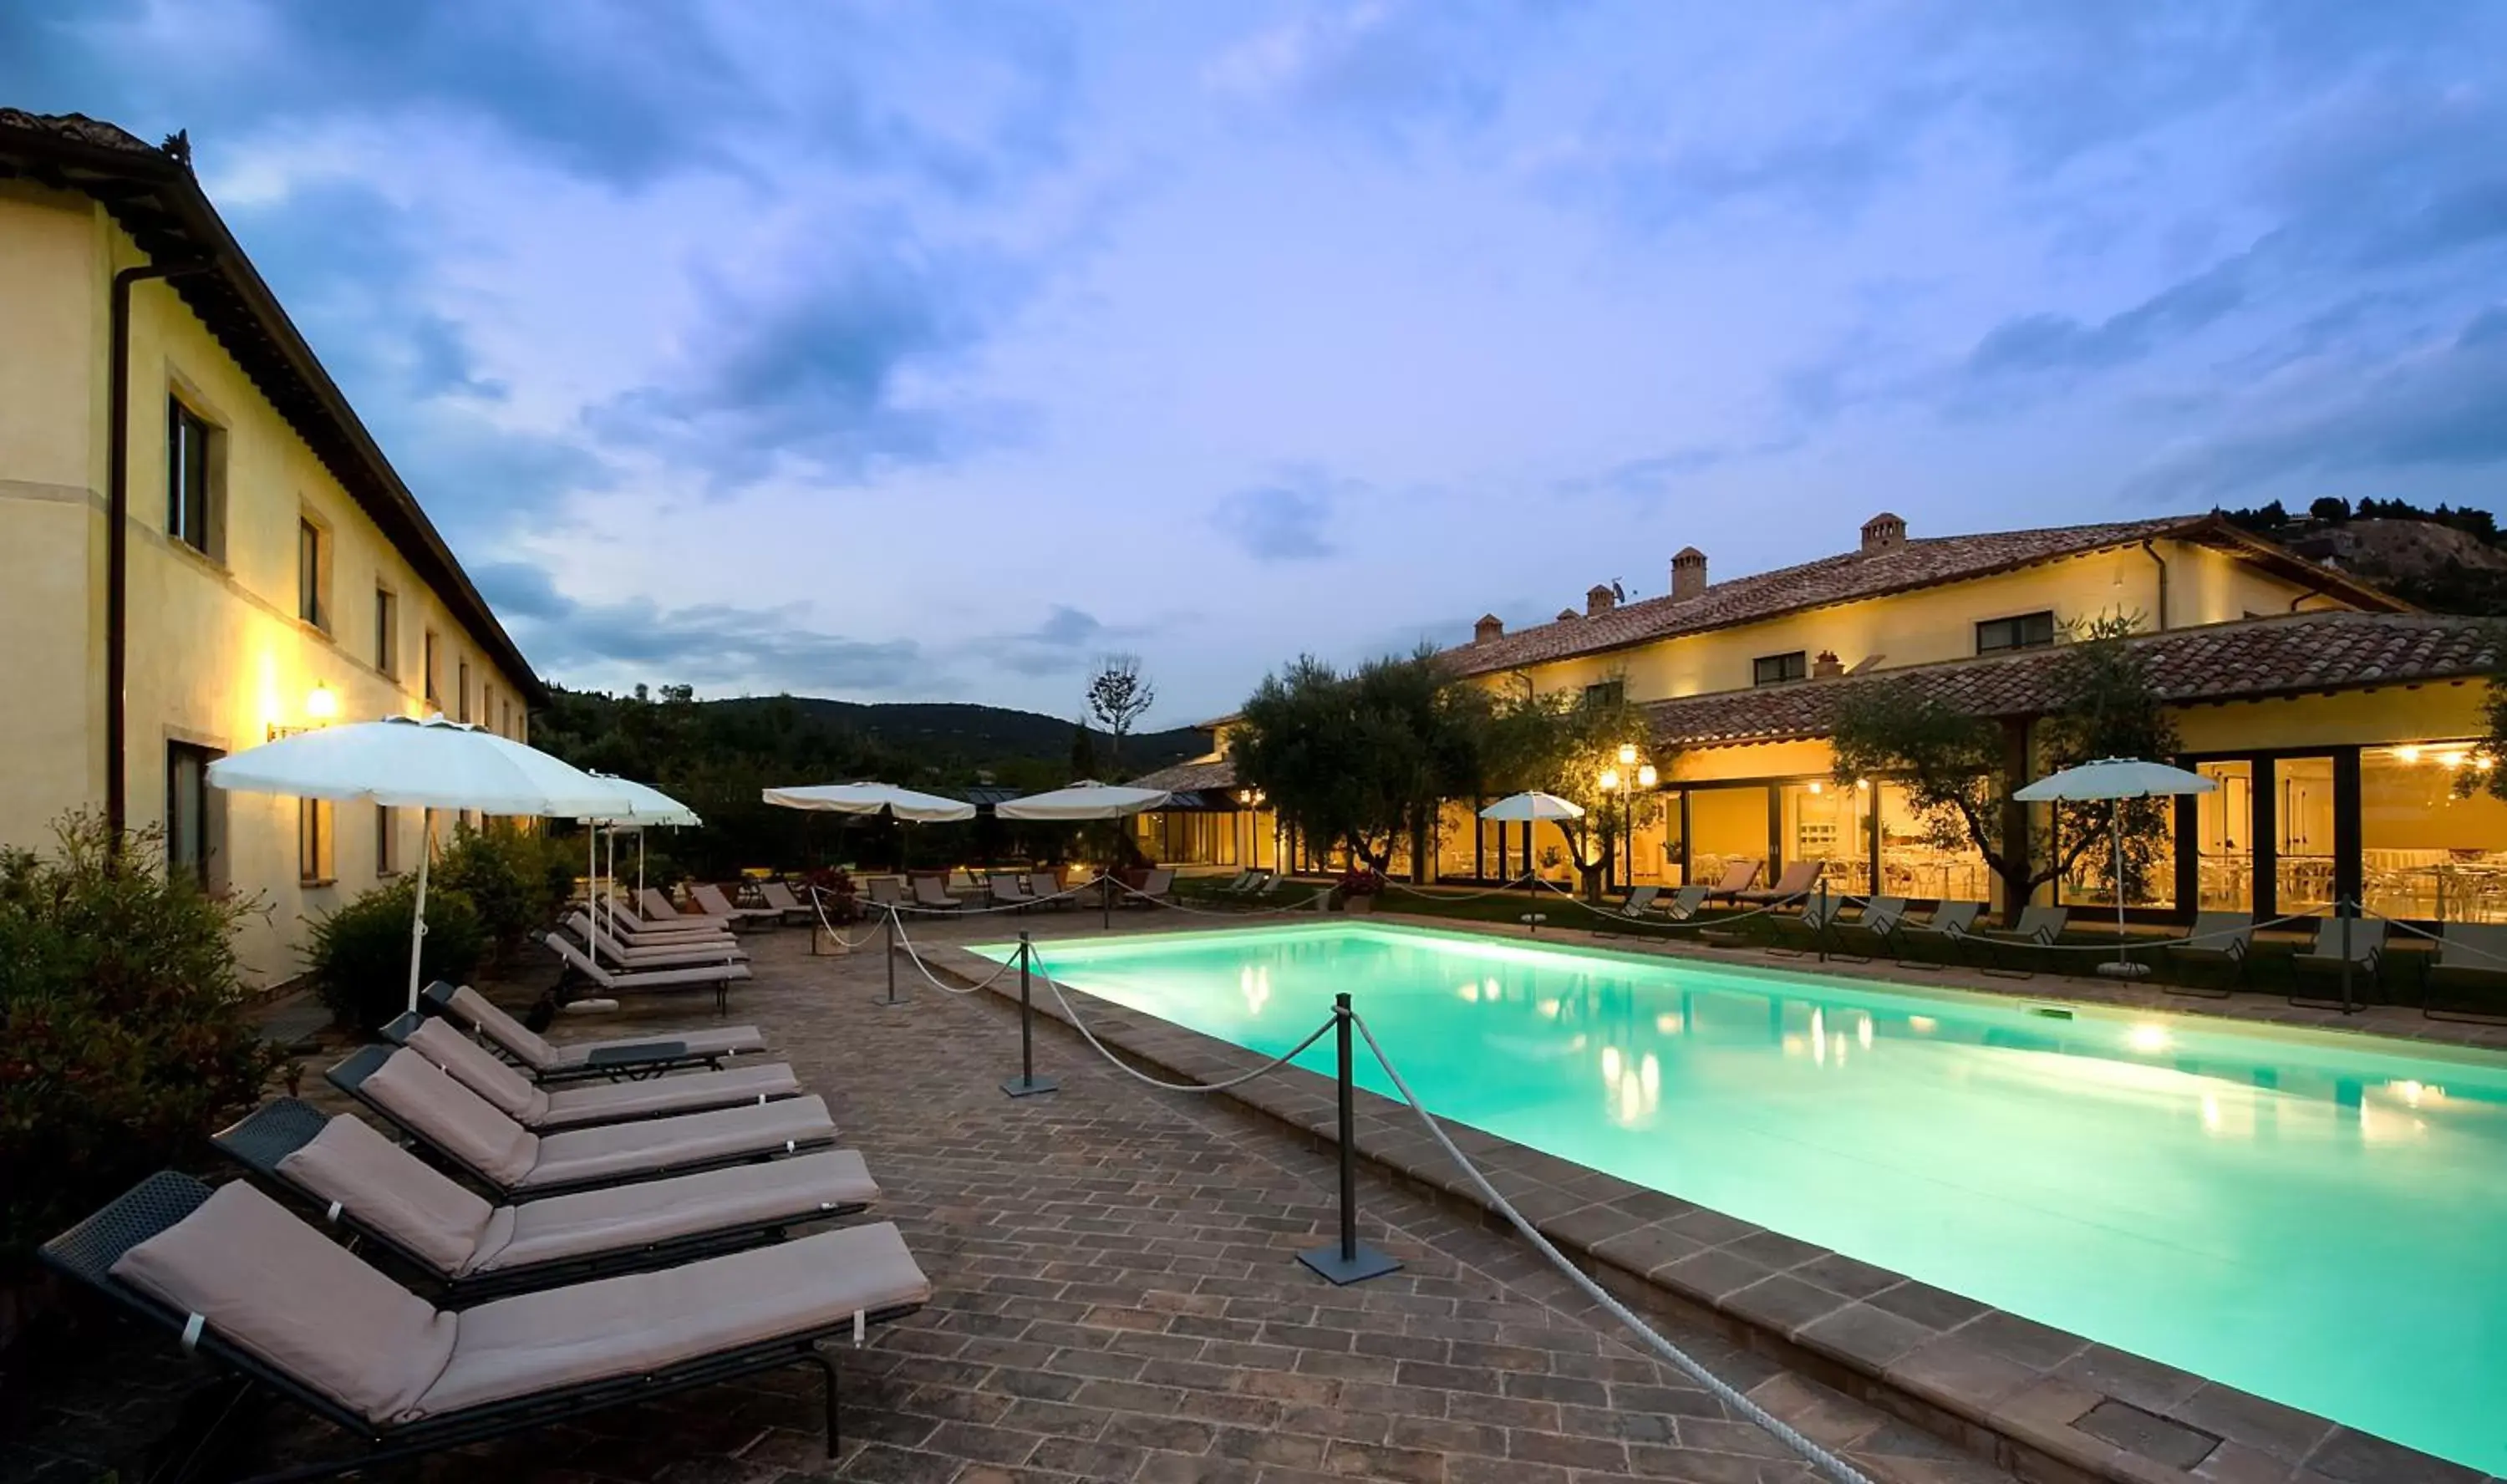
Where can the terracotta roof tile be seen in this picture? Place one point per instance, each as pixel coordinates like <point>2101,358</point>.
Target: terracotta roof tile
<point>1847,578</point>
<point>2217,662</point>
<point>1182,776</point>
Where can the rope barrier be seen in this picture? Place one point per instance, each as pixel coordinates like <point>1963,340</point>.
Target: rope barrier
<point>961,910</point>
<point>1310,904</point>
<point>1090,1036</point>
<point>915,958</point>
<point>1650,921</point>
<point>1817,1456</point>
<point>819,904</point>
<point>1502,888</point>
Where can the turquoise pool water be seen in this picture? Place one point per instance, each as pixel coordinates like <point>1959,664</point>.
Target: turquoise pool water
<point>2305,1216</point>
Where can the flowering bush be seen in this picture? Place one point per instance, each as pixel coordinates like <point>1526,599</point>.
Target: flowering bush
<point>835,888</point>
<point>1361,881</point>
<point>125,1037</point>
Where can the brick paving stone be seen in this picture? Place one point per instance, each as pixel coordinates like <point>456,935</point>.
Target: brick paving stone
<point>1116,1296</point>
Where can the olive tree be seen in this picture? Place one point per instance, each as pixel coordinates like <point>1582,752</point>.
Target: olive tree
<point>1954,764</point>
<point>1569,745</point>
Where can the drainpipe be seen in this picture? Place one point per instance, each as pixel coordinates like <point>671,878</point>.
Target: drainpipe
<point>2152,552</point>
<point>117,538</point>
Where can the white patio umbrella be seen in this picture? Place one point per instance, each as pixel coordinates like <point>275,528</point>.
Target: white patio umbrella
<point>2115,780</point>
<point>1086,799</point>
<point>872,798</point>
<point>401,762</point>
<point>1525,808</point>
<point>647,807</point>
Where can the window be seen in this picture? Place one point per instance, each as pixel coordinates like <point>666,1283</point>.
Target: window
<point>1606,693</point>
<point>462,696</point>
<point>507,729</point>
<point>314,841</point>
<point>434,694</point>
<point>1777,668</point>
<point>2029,631</point>
<point>312,563</point>
<point>2429,852</point>
<point>387,631</point>
<point>386,839</point>
<point>187,476</point>
<point>189,812</point>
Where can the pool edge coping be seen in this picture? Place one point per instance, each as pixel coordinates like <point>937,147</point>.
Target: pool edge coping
<point>2000,1386</point>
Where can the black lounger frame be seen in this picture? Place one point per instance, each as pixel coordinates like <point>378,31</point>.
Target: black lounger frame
<point>628,1063</point>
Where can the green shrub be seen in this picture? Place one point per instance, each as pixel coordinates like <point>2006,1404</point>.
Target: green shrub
<point>123,1032</point>
<point>518,882</point>
<point>359,955</point>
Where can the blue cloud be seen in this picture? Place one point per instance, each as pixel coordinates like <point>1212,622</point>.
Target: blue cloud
<point>2059,342</point>
<point>1283,522</point>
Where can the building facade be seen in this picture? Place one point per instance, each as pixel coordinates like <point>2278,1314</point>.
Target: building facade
<point>201,546</point>
<point>2338,723</point>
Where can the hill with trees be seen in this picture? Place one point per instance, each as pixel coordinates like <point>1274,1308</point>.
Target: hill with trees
<point>2447,559</point>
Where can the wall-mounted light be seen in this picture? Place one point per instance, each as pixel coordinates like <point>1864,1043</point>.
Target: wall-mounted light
<point>322,704</point>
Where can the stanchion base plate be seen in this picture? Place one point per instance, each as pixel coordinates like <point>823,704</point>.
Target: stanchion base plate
<point>1020,1087</point>
<point>1344,1271</point>
<point>893,1001</point>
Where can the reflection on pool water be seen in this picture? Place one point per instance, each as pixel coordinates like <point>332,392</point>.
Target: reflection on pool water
<point>2310,1217</point>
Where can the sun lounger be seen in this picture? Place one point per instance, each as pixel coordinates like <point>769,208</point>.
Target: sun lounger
<point>2217,938</point>
<point>716,976</point>
<point>1003,891</point>
<point>501,1155</point>
<point>2038,926</point>
<point>1047,891</point>
<point>1819,918</point>
<point>254,1288</point>
<point>2325,959</point>
<point>884,891</point>
<point>1953,926</point>
<point>658,911</point>
<point>1683,903</point>
<point>1873,933</point>
<point>2469,957</point>
<point>1795,885</point>
<point>718,949</point>
<point>548,1061</point>
<point>931,895</point>
<point>1738,876</point>
<point>782,899</point>
<point>471,1250</point>
<point>545,1109</point>
<point>710,900</point>
<point>1157,885</point>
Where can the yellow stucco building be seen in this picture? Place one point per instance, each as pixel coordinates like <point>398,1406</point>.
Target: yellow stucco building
<point>2337,720</point>
<point>268,569</point>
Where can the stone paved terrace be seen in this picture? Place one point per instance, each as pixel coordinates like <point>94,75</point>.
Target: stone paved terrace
<point>1118,1300</point>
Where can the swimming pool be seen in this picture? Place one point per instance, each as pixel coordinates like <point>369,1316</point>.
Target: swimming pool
<point>2306,1217</point>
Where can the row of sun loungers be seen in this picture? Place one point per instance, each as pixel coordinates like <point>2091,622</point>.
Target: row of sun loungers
<point>592,1244</point>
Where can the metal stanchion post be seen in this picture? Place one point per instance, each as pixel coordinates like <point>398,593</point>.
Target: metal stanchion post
<point>1026,1084</point>
<point>1345,1262</point>
<point>1105,898</point>
<point>2349,910</point>
<point>1819,933</point>
<point>888,929</point>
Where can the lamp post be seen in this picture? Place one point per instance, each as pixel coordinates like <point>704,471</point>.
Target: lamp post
<point>1627,778</point>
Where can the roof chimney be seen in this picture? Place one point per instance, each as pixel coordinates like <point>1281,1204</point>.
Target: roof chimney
<point>1568,615</point>
<point>1598,600</point>
<point>1884,532</point>
<point>1490,627</point>
<point>1687,572</point>
<point>1826,666</point>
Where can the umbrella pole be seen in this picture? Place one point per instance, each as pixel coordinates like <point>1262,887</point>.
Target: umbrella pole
<point>2114,826</point>
<point>418,915</point>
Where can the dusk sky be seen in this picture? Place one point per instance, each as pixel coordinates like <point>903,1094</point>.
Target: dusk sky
<point>927,351</point>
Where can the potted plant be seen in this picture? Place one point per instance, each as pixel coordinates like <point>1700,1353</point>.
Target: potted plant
<point>1357,889</point>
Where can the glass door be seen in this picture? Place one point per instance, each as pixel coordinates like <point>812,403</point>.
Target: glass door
<point>2302,832</point>
<point>2224,838</point>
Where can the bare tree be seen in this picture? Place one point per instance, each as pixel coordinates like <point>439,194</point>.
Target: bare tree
<point>1117,695</point>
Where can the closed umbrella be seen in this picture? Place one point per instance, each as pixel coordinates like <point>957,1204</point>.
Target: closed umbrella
<point>646,806</point>
<point>2115,780</point>
<point>401,762</point>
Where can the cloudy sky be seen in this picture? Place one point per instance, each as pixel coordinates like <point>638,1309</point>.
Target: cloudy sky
<point>902,351</point>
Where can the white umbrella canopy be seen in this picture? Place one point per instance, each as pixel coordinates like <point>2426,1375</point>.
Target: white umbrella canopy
<point>2115,780</point>
<point>645,806</point>
<point>1086,799</point>
<point>1532,806</point>
<point>404,763</point>
<point>872,798</point>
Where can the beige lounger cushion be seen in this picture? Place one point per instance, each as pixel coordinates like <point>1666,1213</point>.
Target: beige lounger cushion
<point>666,1143</point>
<point>645,1322</point>
<point>479,1070</point>
<point>388,1188</point>
<point>544,1055</point>
<point>419,1095</point>
<point>284,1293</point>
<point>713,1200</point>
<point>610,1101</point>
